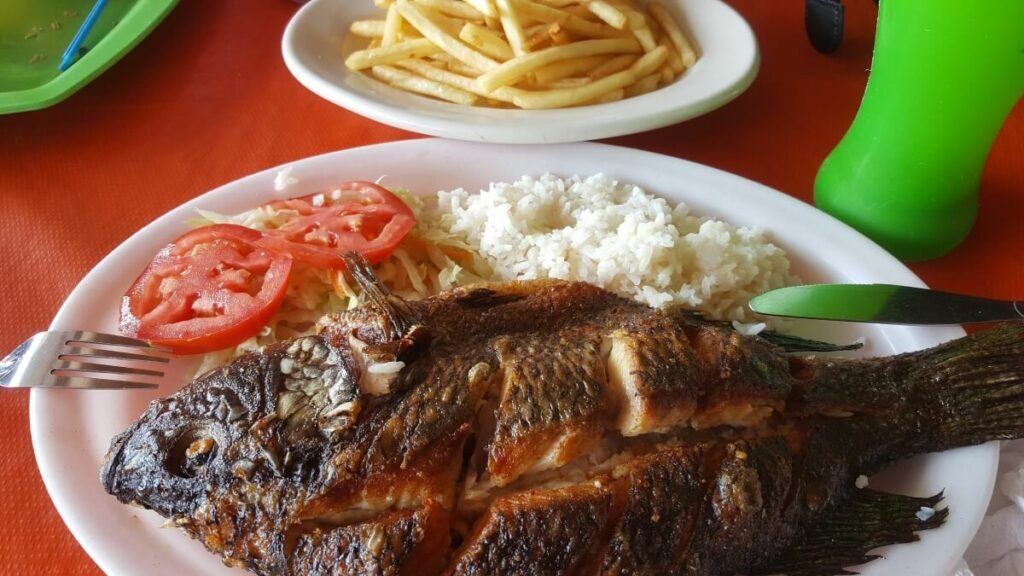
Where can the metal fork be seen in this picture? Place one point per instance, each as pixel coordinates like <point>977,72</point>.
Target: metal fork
<point>84,360</point>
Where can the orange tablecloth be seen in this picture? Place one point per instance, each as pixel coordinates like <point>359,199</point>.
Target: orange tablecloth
<point>206,99</point>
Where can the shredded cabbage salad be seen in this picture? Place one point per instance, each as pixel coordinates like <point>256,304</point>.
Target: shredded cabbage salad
<point>426,262</point>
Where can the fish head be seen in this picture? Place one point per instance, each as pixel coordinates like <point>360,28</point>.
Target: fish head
<point>262,420</point>
<point>167,457</point>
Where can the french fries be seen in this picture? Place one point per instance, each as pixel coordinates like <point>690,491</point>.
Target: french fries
<point>644,85</point>
<point>485,7</point>
<point>567,68</point>
<point>675,33</point>
<point>454,8</point>
<point>565,97</point>
<point>613,96</point>
<point>530,54</point>
<point>433,72</point>
<point>433,32</point>
<point>514,70</point>
<point>610,14</point>
<point>574,24</point>
<point>486,41</point>
<point>512,26</point>
<point>420,85</point>
<point>368,28</point>
<point>392,27</point>
<point>646,38</point>
<point>386,55</point>
<point>616,64</point>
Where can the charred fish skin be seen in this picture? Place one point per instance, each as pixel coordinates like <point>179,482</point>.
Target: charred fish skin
<point>543,426</point>
<point>238,451</point>
<point>251,418</point>
<point>295,461</point>
<point>659,500</point>
<point>396,544</point>
<point>153,463</point>
<point>538,532</point>
<point>705,509</point>
<point>750,501</point>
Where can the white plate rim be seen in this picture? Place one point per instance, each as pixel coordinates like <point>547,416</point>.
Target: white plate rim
<point>47,452</point>
<point>663,107</point>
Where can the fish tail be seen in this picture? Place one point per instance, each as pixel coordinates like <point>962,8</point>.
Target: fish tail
<point>961,393</point>
<point>972,390</point>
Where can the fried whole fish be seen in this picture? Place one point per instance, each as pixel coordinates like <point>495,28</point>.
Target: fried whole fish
<point>550,427</point>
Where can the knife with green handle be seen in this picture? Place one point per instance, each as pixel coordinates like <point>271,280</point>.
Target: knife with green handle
<point>883,304</point>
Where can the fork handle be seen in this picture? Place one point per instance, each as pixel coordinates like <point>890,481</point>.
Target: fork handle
<point>10,365</point>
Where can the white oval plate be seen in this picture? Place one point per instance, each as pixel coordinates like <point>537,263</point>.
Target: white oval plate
<point>71,430</point>
<point>316,43</point>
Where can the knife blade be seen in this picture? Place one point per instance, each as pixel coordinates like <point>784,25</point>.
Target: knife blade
<point>883,304</point>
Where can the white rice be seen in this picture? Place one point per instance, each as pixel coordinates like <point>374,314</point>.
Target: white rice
<point>752,329</point>
<point>617,236</point>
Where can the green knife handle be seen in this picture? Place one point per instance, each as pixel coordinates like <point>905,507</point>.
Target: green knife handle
<point>883,304</point>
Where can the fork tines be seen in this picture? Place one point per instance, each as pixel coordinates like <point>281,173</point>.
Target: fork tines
<point>96,360</point>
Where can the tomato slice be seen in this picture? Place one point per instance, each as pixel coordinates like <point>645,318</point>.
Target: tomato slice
<point>210,289</point>
<point>358,216</point>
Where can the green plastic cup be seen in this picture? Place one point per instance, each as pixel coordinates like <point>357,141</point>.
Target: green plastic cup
<point>945,75</point>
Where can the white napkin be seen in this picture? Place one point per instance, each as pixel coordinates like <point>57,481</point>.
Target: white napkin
<point>963,570</point>
<point>998,548</point>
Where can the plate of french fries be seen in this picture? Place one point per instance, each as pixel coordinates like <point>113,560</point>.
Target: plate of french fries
<point>523,71</point>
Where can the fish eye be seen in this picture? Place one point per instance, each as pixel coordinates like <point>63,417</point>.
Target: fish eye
<point>193,450</point>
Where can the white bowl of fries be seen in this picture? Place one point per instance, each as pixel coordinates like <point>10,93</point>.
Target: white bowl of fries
<point>523,71</point>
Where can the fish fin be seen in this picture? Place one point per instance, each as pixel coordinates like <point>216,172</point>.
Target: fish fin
<point>787,342</point>
<point>396,313</point>
<point>482,297</point>
<point>867,520</point>
<point>791,343</point>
